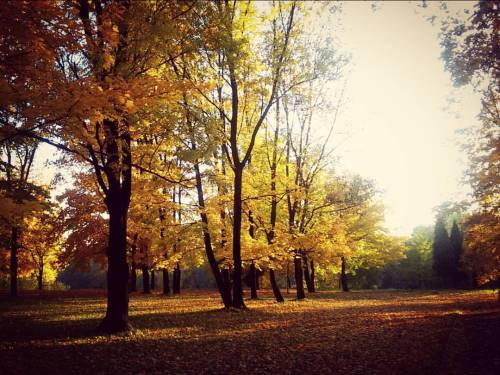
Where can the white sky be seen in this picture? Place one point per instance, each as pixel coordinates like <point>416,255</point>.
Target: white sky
<point>401,133</point>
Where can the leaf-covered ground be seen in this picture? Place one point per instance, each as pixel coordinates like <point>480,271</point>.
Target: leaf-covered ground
<point>379,332</point>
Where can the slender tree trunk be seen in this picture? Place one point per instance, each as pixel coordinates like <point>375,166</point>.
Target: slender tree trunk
<point>133,278</point>
<point>116,318</point>
<point>153,280</point>
<point>253,282</point>
<point>299,283</point>
<point>145,280</point>
<point>274,285</point>
<point>237,213</point>
<point>313,275</point>
<point>13,261</point>
<point>226,277</point>
<point>40,277</point>
<point>257,280</point>
<point>343,276</point>
<point>166,282</point>
<point>288,281</point>
<point>177,279</point>
<point>307,276</point>
<point>133,269</point>
<point>224,291</point>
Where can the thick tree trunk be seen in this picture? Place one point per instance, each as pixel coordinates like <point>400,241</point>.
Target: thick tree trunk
<point>299,283</point>
<point>133,278</point>
<point>177,279</point>
<point>13,261</point>
<point>313,275</point>
<point>166,282</point>
<point>274,285</point>
<point>116,318</point>
<point>343,276</point>
<point>253,282</point>
<point>145,280</point>
<point>237,213</point>
<point>153,280</point>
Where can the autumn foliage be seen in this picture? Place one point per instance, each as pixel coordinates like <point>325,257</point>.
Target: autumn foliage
<point>186,142</point>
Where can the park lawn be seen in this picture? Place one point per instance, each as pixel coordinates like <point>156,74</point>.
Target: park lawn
<point>374,332</point>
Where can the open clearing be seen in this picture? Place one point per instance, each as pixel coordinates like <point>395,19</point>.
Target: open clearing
<point>374,332</point>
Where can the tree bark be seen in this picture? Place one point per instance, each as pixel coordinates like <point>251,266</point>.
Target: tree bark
<point>133,278</point>
<point>288,281</point>
<point>253,283</point>
<point>177,279</point>
<point>313,275</point>
<point>153,280</point>
<point>274,285</point>
<point>116,318</point>
<point>343,276</point>
<point>145,280</point>
<point>132,287</point>
<point>13,261</point>
<point>226,277</point>
<point>299,283</point>
<point>40,277</point>
<point>307,276</point>
<point>166,282</point>
<point>224,291</point>
<point>237,216</point>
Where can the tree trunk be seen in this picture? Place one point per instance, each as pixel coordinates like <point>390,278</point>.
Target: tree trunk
<point>166,282</point>
<point>145,280</point>
<point>253,282</point>
<point>237,213</point>
<point>274,285</point>
<point>288,281</point>
<point>133,278</point>
<point>116,318</point>
<point>153,280</point>
<point>40,277</point>
<point>13,262</point>
<point>177,279</point>
<point>224,291</point>
<point>307,276</point>
<point>132,287</point>
<point>226,277</point>
<point>313,275</point>
<point>299,283</point>
<point>343,276</point>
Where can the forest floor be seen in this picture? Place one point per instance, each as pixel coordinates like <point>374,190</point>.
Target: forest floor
<point>375,332</point>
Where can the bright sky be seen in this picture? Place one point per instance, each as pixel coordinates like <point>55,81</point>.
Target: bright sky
<point>401,132</point>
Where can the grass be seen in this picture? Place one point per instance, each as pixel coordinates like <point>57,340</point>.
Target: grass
<point>372,332</point>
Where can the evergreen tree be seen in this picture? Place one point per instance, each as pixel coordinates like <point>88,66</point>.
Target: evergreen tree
<point>442,255</point>
<point>456,243</point>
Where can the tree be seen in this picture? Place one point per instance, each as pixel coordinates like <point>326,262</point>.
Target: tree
<point>442,255</point>
<point>19,196</point>
<point>456,243</point>
<point>101,61</point>
<point>471,54</point>
<point>415,269</point>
